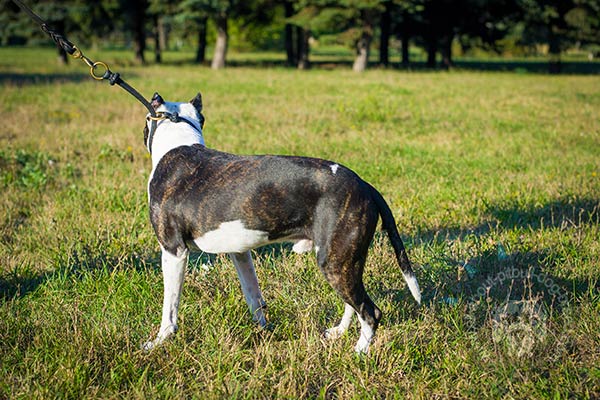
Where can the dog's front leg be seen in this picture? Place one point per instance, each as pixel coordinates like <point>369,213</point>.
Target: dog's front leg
<point>339,330</point>
<point>173,268</point>
<point>249,281</point>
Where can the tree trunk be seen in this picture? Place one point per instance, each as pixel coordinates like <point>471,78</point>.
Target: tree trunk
<point>220,54</point>
<point>384,41</point>
<point>447,51</point>
<point>405,48</point>
<point>405,39</point>
<point>362,51</point>
<point>163,36</point>
<point>431,51</point>
<point>62,56</point>
<point>201,52</point>
<point>138,19</point>
<point>299,45</point>
<point>157,49</point>
<point>362,54</point>
<point>364,43</point>
<point>554,65</point>
<point>303,48</point>
<point>292,57</point>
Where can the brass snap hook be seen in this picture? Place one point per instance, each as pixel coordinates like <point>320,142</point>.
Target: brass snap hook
<point>77,53</point>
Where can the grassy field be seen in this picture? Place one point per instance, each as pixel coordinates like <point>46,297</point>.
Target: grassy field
<point>494,179</point>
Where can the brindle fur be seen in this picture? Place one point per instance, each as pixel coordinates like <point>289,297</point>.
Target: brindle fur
<point>194,189</point>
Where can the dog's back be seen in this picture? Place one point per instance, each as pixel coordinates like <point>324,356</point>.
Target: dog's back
<point>194,190</point>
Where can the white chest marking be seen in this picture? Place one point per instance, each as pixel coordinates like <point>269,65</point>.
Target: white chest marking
<point>170,135</point>
<point>334,168</point>
<point>231,237</point>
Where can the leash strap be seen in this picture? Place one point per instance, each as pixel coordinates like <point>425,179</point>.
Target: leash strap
<point>98,69</point>
<point>57,37</point>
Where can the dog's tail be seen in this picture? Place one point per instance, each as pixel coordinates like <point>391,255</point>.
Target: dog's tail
<point>389,225</point>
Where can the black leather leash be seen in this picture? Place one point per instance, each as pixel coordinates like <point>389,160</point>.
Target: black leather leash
<point>98,69</point>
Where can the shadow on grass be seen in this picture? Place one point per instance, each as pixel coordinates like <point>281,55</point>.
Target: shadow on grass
<point>530,67</point>
<point>517,275</point>
<point>26,79</point>
<point>20,283</point>
<point>24,281</point>
<point>498,277</point>
<point>17,284</point>
<point>559,213</point>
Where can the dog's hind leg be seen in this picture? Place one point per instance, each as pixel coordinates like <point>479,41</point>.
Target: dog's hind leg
<point>345,276</point>
<point>249,281</point>
<point>173,268</point>
<point>341,258</point>
<point>357,300</point>
<point>368,313</point>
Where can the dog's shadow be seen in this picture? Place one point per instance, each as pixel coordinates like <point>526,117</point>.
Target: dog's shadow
<point>498,276</point>
<point>25,280</point>
<point>20,282</point>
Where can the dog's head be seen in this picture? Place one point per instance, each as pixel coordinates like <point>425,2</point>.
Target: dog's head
<point>191,112</point>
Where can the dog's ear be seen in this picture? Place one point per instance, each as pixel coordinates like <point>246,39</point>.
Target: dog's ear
<point>197,102</point>
<point>157,101</point>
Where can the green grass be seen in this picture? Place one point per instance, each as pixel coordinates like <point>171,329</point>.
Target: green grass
<point>491,176</point>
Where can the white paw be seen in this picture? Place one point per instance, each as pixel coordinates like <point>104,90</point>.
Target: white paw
<point>163,335</point>
<point>362,346</point>
<point>149,346</point>
<point>333,333</point>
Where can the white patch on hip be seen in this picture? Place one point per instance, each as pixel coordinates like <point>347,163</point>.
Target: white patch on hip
<point>302,246</point>
<point>334,168</point>
<point>231,237</point>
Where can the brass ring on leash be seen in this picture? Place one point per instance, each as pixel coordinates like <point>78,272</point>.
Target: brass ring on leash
<point>159,117</point>
<point>93,69</point>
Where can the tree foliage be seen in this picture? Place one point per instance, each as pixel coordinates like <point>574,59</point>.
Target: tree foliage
<point>437,26</point>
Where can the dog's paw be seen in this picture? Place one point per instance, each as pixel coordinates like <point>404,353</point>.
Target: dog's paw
<point>362,346</point>
<point>149,346</point>
<point>163,335</point>
<point>333,333</point>
<point>269,327</point>
<point>260,320</point>
<point>361,350</point>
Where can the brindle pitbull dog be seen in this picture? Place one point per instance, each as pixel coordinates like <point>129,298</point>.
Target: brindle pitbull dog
<point>225,203</point>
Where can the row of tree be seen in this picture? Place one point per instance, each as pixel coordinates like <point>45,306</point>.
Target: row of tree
<point>437,26</point>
